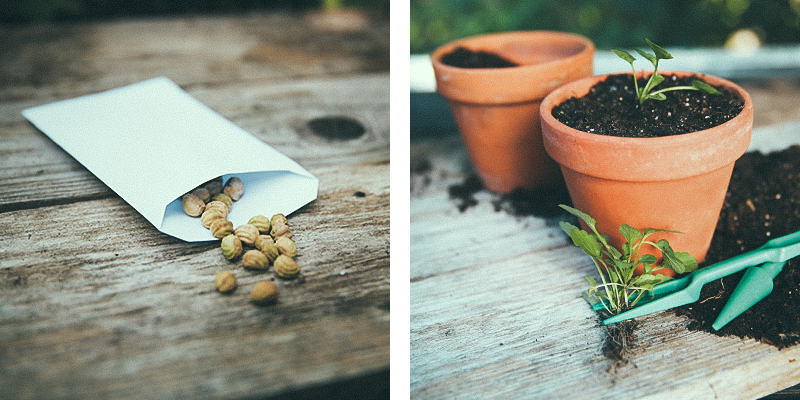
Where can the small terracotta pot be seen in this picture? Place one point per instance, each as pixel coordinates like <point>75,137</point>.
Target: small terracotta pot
<point>676,182</point>
<point>497,109</point>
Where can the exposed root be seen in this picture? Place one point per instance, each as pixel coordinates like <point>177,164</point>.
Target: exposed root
<point>618,344</point>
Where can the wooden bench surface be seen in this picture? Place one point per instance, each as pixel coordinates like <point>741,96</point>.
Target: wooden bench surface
<point>97,303</point>
<point>496,306</point>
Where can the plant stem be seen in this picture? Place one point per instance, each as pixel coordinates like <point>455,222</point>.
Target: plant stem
<point>635,82</point>
<point>646,90</point>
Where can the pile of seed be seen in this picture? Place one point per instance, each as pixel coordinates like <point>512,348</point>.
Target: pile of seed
<point>269,239</point>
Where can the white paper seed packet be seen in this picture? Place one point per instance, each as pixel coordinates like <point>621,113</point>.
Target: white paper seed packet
<point>151,142</point>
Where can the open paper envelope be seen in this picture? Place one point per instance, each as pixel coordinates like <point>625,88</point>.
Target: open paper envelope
<point>151,142</point>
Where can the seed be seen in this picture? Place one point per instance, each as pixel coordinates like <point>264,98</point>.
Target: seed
<point>255,259</point>
<point>262,223</point>
<point>234,188</point>
<point>270,251</point>
<point>219,206</point>
<point>223,198</point>
<point>279,218</point>
<point>247,233</point>
<point>286,267</point>
<point>225,281</point>
<point>213,186</point>
<point>231,247</point>
<point>264,292</point>
<point>192,205</point>
<point>202,193</point>
<point>261,240</point>
<point>221,228</point>
<point>286,246</point>
<point>209,217</point>
<point>280,229</point>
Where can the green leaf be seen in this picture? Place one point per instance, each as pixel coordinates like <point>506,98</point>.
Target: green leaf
<point>590,280</point>
<point>648,269</point>
<point>648,280</point>
<point>612,252</point>
<point>624,55</point>
<point>622,265</point>
<point>588,243</point>
<point>648,259</point>
<point>671,261</point>
<point>657,96</point>
<point>657,78</point>
<point>613,277</point>
<point>700,85</point>
<point>626,250</point>
<point>624,269</point>
<point>650,231</point>
<point>660,53</point>
<point>630,233</point>
<point>580,214</point>
<point>648,56</point>
<point>688,260</point>
<point>567,227</point>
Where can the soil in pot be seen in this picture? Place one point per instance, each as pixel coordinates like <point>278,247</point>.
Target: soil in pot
<point>465,58</point>
<point>612,108</point>
<point>763,202</point>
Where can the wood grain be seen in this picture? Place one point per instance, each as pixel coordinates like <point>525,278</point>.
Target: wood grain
<point>96,303</point>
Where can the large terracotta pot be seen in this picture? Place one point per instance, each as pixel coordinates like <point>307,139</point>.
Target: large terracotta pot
<point>497,109</point>
<point>677,182</point>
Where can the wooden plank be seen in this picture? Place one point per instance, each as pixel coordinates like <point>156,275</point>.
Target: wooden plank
<point>61,61</point>
<point>132,312</point>
<point>496,311</point>
<point>36,171</point>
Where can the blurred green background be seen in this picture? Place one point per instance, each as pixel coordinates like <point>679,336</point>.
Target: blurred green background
<point>52,11</point>
<point>609,23</point>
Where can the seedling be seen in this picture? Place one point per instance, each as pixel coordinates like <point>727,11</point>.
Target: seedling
<point>621,287</point>
<point>646,92</point>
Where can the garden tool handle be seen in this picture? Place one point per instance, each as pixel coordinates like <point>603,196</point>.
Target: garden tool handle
<point>731,265</point>
<point>776,250</point>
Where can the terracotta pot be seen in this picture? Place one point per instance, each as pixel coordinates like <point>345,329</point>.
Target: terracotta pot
<point>676,182</point>
<point>497,109</point>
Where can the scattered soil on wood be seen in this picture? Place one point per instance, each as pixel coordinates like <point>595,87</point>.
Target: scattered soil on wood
<point>611,108</point>
<point>538,202</point>
<point>763,202</point>
<point>465,58</point>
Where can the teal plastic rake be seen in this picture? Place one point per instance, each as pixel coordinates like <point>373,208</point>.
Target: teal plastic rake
<point>756,283</point>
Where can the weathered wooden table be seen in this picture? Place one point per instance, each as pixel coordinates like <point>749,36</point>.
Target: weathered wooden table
<point>496,306</point>
<point>96,303</point>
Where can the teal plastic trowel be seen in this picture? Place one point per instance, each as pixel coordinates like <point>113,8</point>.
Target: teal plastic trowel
<point>754,285</point>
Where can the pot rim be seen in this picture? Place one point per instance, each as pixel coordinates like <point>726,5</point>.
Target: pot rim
<point>645,159</point>
<point>529,81</point>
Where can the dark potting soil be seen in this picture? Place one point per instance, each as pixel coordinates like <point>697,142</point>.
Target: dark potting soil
<point>465,58</point>
<point>762,203</point>
<point>612,108</point>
